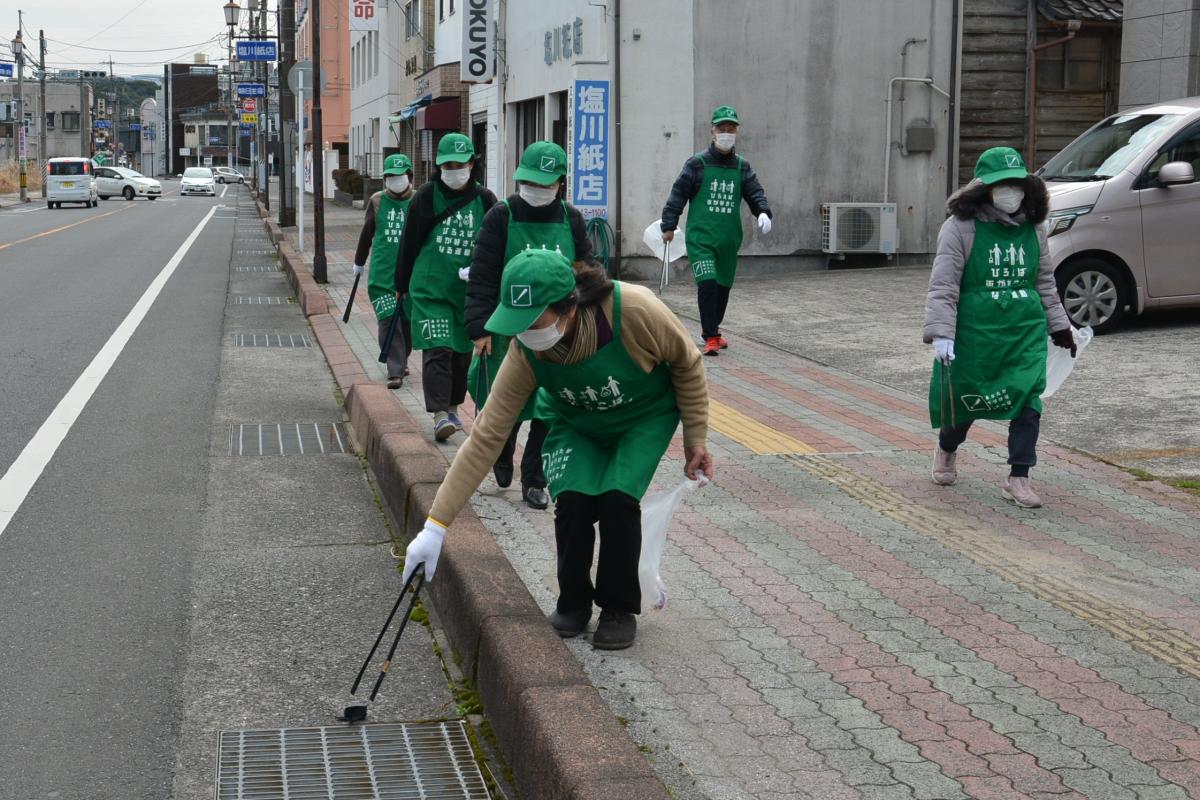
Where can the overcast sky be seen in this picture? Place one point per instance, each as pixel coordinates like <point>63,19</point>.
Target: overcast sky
<point>172,29</point>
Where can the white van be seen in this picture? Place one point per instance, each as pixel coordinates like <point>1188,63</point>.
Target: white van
<point>70,180</point>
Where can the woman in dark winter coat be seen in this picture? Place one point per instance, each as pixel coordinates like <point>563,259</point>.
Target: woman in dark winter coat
<point>992,298</point>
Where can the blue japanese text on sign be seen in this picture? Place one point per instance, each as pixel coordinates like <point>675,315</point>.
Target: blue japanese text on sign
<point>6,70</point>
<point>102,123</point>
<point>589,158</point>
<point>257,50</point>
<point>135,126</point>
<point>251,90</point>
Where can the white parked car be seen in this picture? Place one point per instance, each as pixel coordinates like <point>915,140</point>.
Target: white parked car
<point>228,175</point>
<point>70,180</point>
<point>198,180</point>
<point>113,181</point>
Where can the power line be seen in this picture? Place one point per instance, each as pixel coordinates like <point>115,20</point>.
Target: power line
<point>154,50</point>
<point>119,19</point>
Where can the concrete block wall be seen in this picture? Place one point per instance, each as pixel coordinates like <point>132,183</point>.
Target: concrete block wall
<point>1160,51</point>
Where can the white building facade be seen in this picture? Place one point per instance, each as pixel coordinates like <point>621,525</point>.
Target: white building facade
<point>376,87</point>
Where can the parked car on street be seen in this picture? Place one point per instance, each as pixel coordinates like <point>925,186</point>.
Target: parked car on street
<point>197,180</point>
<point>70,180</point>
<point>113,181</point>
<point>228,175</point>
<point>1124,205</point>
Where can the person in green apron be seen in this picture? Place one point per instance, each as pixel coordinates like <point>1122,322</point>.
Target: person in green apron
<point>435,255</point>
<point>614,373</point>
<point>533,217</point>
<point>380,240</point>
<point>992,298</point>
<point>713,185</point>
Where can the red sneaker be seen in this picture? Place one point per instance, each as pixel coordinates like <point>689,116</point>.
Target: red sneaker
<point>721,341</point>
<point>712,346</point>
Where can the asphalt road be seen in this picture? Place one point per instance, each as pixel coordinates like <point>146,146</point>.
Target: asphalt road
<point>94,567</point>
<point>1132,398</point>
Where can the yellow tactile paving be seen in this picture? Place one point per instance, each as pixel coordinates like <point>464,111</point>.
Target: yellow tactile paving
<point>747,431</point>
<point>1062,583</point>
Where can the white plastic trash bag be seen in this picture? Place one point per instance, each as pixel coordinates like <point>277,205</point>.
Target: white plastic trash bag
<point>652,236</point>
<point>657,510</point>
<point>1059,362</point>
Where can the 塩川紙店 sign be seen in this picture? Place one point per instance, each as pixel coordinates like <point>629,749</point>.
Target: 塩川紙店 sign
<point>251,90</point>
<point>589,148</point>
<point>257,50</point>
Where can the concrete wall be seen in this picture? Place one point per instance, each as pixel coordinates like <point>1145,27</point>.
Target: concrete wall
<point>335,60</point>
<point>1160,51</point>
<point>380,94</point>
<point>60,96</point>
<point>447,38</point>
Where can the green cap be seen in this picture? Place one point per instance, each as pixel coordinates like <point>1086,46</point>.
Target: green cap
<point>396,164</point>
<point>532,280</point>
<point>1000,164</point>
<point>455,147</point>
<point>542,163</point>
<point>725,114</point>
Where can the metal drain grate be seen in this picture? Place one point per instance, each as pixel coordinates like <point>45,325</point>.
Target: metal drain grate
<point>287,438</point>
<point>364,762</point>
<point>253,252</point>
<point>271,340</point>
<point>258,268</point>
<point>261,300</point>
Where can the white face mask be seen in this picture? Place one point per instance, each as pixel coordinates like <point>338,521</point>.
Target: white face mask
<point>539,339</point>
<point>456,178</point>
<point>538,196</point>
<point>725,141</point>
<point>396,184</point>
<point>1008,198</point>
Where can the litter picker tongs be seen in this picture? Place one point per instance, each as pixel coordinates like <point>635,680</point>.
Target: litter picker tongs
<point>664,280</point>
<point>947,388</point>
<point>358,713</point>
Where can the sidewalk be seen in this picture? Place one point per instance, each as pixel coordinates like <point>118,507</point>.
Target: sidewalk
<point>839,627</point>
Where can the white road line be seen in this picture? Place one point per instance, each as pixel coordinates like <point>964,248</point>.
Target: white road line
<point>226,189</point>
<point>20,478</point>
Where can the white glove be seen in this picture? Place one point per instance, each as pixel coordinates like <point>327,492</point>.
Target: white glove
<point>465,273</point>
<point>424,549</point>
<point>358,270</point>
<point>943,350</point>
<point>764,224</point>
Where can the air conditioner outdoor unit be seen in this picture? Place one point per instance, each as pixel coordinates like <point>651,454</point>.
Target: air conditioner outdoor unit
<point>858,228</point>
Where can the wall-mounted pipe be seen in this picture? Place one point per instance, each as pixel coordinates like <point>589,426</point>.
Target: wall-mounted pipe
<point>887,137</point>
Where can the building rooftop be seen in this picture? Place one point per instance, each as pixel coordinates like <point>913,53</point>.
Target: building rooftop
<point>1088,10</point>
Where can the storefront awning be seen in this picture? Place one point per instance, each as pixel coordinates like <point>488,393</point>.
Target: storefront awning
<point>410,110</point>
<point>444,115</point>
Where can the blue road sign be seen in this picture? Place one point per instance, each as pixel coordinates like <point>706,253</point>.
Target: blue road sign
<point>102,123</point>
<point>6,70</point>
<point>257,50</point>
<point>251,90</point>
<point>135,126</point>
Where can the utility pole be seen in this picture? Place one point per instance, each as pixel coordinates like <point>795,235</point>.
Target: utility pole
<point>84,128</point>
<point>18,47</point>
<point>42,106</point>
<point>287,170</point>
<point>114,119</point>
<point>318,146</point>
<point>264,119</point>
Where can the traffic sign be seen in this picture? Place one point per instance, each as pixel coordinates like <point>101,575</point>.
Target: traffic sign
<point>300,77</point>
<point>257,50</point>
<point>249,119</point>
<point>249,105</point>
<point>6,70</point>
<point>102,123</point>
<point>251,90</point>
<point>135,126</point>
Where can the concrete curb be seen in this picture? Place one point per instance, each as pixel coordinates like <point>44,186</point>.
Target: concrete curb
<point>555,731</point>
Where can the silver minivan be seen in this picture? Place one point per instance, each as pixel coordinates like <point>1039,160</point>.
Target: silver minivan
<point>1124,214</point>
<point>70,180</point>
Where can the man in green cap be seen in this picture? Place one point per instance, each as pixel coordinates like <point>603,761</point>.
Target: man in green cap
<point>535,217</point>
<point>992,298</point>
<point>380,239</point>
<point>435,255</point>
<point>614,373</point>
<point>713,184</point>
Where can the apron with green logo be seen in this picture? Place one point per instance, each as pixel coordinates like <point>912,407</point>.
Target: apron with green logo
<point>610,422</point>
<point>437,294</point>
<point>381,279</point>
<point>555,235</point>
<point>1000,339</point>
<point>714,224</point>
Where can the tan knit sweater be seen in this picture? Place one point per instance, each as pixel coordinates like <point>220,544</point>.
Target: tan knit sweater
<point>650,332</point>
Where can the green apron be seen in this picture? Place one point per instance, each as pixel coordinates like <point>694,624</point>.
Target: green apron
<point>381,279</point>
<point>520,236</point>
<point>714,224</point>
<point>437,294</point>
<point>1000,339</point>
<point>610,422</point>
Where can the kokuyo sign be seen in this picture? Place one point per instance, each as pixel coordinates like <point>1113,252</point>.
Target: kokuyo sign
<point>478,42</point>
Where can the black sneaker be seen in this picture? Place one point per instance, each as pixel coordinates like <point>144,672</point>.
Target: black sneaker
<point>395,382</point>
<point>616,630</point>
<point>572,623</point>
<point>535,497</point>
<point>503,474</point>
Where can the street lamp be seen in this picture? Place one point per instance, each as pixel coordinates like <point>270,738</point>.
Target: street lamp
<point>18,51</point>
<point>232,10</point>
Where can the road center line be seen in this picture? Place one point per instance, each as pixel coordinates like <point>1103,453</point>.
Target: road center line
<point>62,228</point>
<point>29,465</point>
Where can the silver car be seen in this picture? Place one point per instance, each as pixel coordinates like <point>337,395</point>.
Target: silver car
<point>197,180</point>
<point>1124,206</point>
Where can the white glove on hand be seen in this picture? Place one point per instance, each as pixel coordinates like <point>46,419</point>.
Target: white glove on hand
<point>943,350</point>
<point>764,224</point>
<point>424,549</point>
<point>465,273</point>
<point>358,270</point>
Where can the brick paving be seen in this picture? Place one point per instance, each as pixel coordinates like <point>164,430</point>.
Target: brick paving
<point>839,627</point>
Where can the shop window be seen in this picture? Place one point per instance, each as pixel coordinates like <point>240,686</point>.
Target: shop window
<point>531,124</point>
<point>1077,65</point>
<point>412,19</point>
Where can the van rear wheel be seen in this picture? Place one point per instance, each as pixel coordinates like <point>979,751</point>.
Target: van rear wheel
<point>1094,293</point>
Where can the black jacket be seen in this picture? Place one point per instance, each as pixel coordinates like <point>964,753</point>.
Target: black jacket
<point>419,225</point>
<point>487,262</point>
<point>688,184</point>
